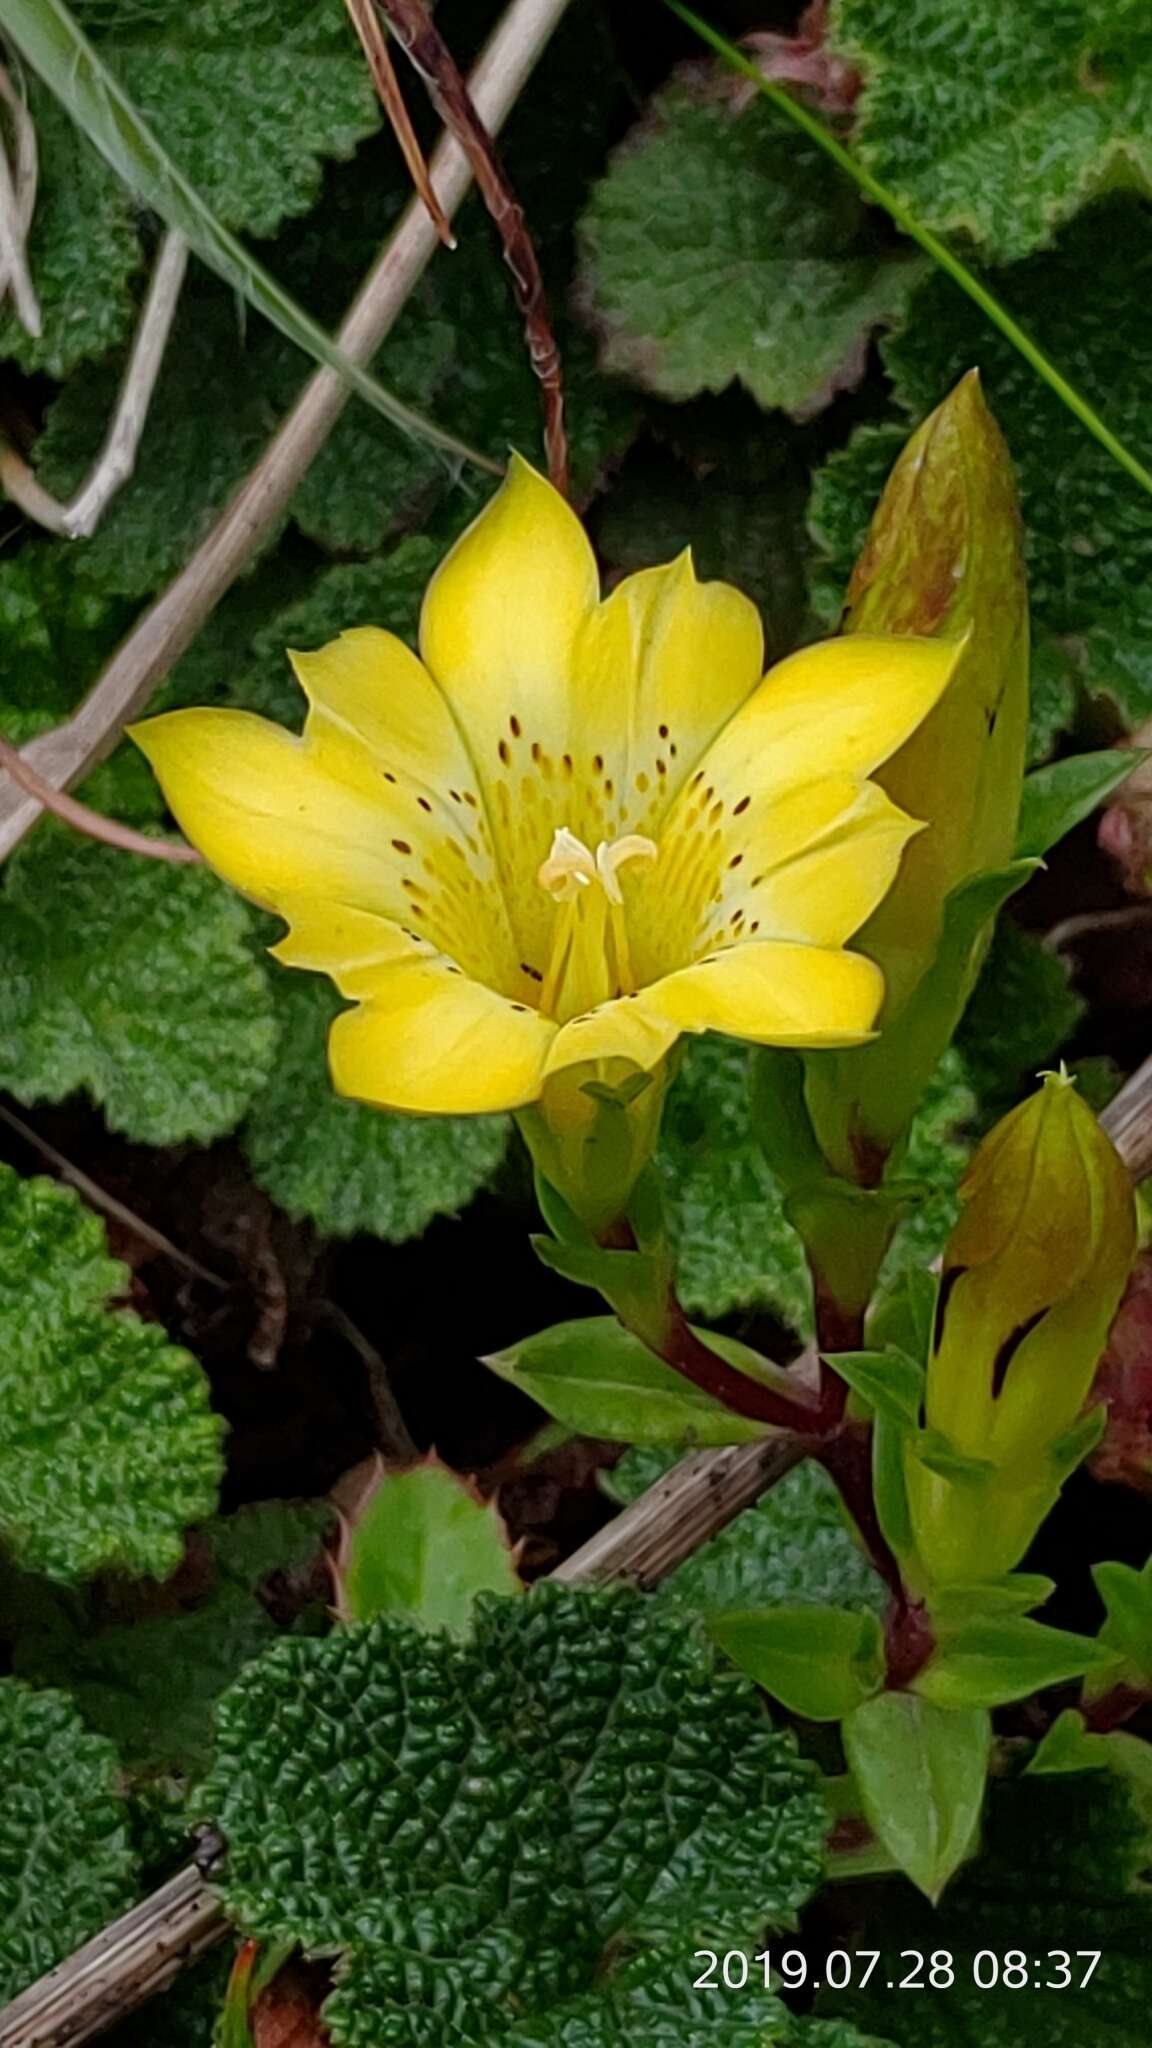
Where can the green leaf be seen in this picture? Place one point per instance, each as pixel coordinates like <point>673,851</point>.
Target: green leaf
<point>721,246</point>
<point>1022,1010</point>
<point>1062,1869</point>
<point>889,1381</point>
<point>576,1778</point>
<point>793,1547</point>
<point>421,1545</point>
<point>66,1860</point>
<point>48,36</point>
<point>346,1167</point>
<point>953,1607</point>
<point>821,1662</point>
<point>999,123</point>
<point>1056,798</point>
<point>990,1662</point>
<point>1127,1628</point>
<point>1067,1748</point>
<point>150,1681</point>
<point>599,1380</point>
<point>108,1447</point>
<point>133,979</point>
<point>920,1774</point>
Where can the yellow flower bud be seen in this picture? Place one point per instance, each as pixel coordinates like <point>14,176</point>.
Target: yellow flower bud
<point>1032,1276</point>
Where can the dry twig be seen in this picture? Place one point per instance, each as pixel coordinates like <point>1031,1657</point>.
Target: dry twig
<point>17,206</point>
<point>92,823</point>
<point>374,44</point>
<point>429,54</point>
<point>161,636</point>
<point>117,459</point>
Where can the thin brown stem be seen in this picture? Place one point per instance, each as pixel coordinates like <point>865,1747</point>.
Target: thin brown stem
<point>429,54</point>
<point>93,825</point>
<point>374,43</point>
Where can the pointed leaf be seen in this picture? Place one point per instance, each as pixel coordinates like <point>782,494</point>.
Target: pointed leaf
<point>421,1545</point>
<point>920,1772</point>
<point>820,1662</point>
<point>596,1378</point>
<point>1057,797</point>
<point>989,1663</point>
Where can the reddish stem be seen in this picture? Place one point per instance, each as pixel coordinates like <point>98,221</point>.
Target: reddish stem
<point>846,1455</point>
<point>685,1352</point>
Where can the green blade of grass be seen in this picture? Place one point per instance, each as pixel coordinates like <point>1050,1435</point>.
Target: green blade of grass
<point>939,251</point>
<point>56,48</point>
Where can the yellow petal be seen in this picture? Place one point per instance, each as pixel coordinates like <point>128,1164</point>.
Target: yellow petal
<point>622,1030</point>
<point>774,994</point>
<point>837,709</point>
<point>501,616</point>
<point>809,864</point>
<point>374,712</point>
<point>661,666</point>
<point>264,812</point>
<point>325,817</point>
<point>353,947</point>
<point>434,1042</point>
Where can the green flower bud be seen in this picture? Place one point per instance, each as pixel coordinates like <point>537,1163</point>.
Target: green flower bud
<point>1032,1277</point>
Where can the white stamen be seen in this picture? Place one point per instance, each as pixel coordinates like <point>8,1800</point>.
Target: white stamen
<point>612,854</point>
<point>570,866</point>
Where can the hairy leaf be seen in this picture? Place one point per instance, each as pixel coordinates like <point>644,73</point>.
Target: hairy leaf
<point>130,978</point>
<point>350,1168</point>
<point>108,1448</point>
<point>1000,122</point>
<point>498,1812</point>
<point>66,1858</point>
<point>723,247</point>
<point>151,1683</point>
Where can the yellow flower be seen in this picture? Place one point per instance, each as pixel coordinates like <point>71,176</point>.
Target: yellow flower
<point>568,833</point>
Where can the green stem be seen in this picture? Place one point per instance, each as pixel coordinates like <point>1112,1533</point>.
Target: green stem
<point>939,251</point>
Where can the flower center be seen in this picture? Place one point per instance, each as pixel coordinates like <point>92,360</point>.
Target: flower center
<point>589,962</point>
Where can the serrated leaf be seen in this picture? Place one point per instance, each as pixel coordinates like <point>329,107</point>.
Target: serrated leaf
<point>997,122</point>
<point>346,1167</point>
<point>108,1447</point>
<point>1061,1870</point>
<point>723,247</point>
<point>577,1775</point>
<point>132,979</point>
<point>920,1773</point>
<point>66,1859</point>
<point>793,1547</point>
<point>420,1546</point>
<point>599,1380</point>
<point>150,1683</point>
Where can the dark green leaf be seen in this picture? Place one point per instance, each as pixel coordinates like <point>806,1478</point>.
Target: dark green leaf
<point>133,979</point>
<point>722,246</point>
<point>498,1812</point>
<point>108,1447</point>
<point>1056,798</point>
<point>66,1859</point>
